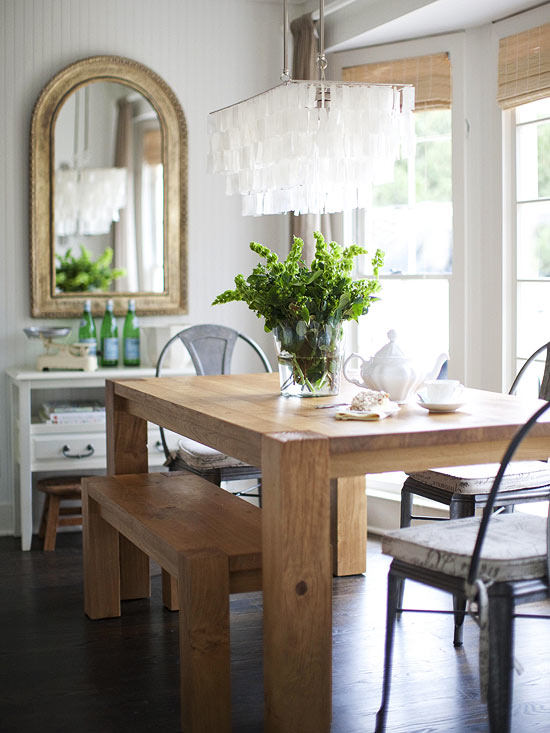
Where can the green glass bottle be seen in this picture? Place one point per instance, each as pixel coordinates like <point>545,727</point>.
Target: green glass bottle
<point>87,333</point>
<point>109,337</point>
<point>130,337</point>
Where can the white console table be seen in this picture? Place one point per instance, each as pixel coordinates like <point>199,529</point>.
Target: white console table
<point>39,446</point>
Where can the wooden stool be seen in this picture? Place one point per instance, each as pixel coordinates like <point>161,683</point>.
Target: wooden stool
<point>58,489</point>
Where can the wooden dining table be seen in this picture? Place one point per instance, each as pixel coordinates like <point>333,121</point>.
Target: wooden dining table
<point>314,504</point>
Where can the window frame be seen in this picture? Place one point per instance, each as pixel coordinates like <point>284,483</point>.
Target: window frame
<point>453,44</point>
<point>510,240</point>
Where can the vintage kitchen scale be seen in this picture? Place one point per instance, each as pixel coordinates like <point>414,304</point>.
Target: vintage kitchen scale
<point>72,357</point>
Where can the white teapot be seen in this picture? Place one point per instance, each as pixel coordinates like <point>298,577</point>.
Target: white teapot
<point>389,370</point>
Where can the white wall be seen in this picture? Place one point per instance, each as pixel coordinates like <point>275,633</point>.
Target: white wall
<point>212,53</point>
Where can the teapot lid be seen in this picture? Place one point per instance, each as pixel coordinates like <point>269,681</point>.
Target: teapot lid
<point>391,350</point>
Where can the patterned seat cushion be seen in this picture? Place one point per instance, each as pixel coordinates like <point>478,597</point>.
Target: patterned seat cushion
<point>201,457</point>
<point>514,547</point>
<point>478,479</point>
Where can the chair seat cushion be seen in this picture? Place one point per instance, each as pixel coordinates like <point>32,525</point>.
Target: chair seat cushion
<point>201,457</point>
<point>514,547</point>
<point>478,479</point>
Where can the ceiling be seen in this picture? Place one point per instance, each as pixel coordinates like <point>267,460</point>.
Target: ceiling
<point>369,22</point>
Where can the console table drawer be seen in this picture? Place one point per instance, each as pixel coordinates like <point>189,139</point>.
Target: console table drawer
<point>82,449</point>
<point>72,447</point>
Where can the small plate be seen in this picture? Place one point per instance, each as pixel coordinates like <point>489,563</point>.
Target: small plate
<point>349,414</point>
<point>441,406</point>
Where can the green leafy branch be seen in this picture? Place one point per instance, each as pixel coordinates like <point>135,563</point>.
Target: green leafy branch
<point>289,292</point>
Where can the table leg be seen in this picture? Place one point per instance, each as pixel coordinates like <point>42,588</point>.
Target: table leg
<point>127,453</point>
<point>25,473</point>
<point>297,583</point>
<point>348,525</point>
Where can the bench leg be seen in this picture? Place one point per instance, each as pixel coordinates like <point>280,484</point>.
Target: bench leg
<point>135,581</point>
<point>101,563</point>
<point>203,589</point>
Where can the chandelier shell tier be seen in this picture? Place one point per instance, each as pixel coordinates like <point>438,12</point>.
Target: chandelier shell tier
<point>88,200</point>
<point>311,146</point>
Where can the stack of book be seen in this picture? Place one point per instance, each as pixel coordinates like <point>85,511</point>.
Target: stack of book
<point>72,413</point>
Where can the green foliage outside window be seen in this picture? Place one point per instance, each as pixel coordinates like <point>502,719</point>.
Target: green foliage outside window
<point>433,164</point>
<point>542,249</point>
<point>544,159</point>
<point>542,233</point>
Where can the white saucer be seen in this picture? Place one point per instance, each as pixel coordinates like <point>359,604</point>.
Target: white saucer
<point>440,406</point>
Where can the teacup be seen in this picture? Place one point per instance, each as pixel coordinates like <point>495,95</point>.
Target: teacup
<point>441,391</point>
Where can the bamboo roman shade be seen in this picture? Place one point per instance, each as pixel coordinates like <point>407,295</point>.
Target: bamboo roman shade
<point>152,147</point>
<point>524,67</point>
<point>430,75</point>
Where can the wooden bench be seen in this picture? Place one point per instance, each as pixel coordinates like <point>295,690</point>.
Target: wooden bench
<point>206,539</point>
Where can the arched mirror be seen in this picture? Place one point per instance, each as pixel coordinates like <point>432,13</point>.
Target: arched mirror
<point>108,191</point>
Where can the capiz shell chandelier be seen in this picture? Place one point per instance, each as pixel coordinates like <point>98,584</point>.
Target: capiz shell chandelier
<point>311,146</point>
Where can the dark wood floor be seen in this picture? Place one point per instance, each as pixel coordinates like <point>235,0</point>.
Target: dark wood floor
<point>61,672</point>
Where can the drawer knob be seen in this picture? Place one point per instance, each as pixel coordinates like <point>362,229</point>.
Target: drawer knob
<point>89,452</point>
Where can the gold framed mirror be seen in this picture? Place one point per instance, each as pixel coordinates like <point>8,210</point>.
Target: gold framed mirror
<point>108,191</point>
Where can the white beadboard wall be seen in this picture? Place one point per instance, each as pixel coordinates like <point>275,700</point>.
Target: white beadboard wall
<point>212,53</point>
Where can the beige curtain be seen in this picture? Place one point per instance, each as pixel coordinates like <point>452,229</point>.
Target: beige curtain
<point>430,75</point>
<point>524,67</point>
<point>304,66</point>
<point>304,56</point>
<point>125,229</point>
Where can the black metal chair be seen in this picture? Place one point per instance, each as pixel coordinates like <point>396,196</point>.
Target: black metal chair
<point>464,488</point>
<point>495,561</point>
<point>211,349</point>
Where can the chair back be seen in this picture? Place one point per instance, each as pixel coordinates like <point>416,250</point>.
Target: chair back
<point>544,387</point>
<point>210,347</point>
<point>488,510</point>
<point>544,392</point>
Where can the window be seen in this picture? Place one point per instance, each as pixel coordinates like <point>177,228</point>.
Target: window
<point>411,220</point>
<point>152,194</point>
<point>150,204</point>
<point>532,261</point>
<point>532,210</point>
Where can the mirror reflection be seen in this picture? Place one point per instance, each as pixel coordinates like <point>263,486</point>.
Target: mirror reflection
<point>108,192</point>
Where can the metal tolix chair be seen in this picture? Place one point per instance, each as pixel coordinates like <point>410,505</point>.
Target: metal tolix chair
<point>211,350</point>
<point>495,561</point>
<point>465,488</point>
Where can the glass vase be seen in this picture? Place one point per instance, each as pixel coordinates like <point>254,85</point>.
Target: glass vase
<point>309,357</point>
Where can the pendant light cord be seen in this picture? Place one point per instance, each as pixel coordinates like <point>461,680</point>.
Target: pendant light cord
<point>285,75</point>
<point>321,58</point>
